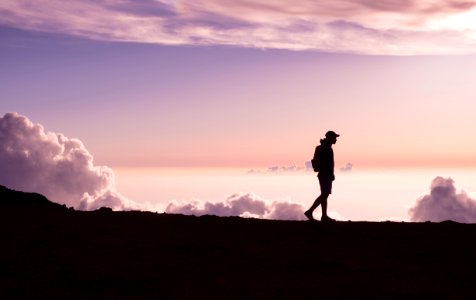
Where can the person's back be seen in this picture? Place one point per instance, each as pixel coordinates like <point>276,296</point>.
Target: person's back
<point>325,155</point>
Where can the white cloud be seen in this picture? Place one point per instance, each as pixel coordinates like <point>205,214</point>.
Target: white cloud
<point>356,26</point>
<point>444,203</point>
<point>243,205</point>
<point>58,167</point>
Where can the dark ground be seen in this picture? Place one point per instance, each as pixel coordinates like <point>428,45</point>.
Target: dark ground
<point>48,251</point>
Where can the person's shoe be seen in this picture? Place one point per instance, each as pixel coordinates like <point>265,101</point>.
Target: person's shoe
<point>308,215</point>
<point>327,219</point>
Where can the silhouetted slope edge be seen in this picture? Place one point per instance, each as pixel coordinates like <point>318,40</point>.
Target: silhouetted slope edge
<point>11,199</point>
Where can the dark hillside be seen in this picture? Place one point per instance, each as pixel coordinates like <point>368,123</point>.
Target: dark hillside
<point>50,251</point>
<point>14,200</point>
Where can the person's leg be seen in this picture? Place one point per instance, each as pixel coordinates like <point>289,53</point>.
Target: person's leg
<point>323,203</point>
<point>325,217</point>
<point>321,200</point>
<point>326,188</point>
<point>315,204</point>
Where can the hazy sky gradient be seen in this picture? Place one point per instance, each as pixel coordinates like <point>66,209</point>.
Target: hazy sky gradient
<point>221,85</point>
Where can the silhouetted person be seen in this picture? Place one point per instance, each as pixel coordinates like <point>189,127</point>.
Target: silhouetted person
<point>323,163</point>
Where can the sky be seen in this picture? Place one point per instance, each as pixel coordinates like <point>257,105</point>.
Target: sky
<point>246,84</point>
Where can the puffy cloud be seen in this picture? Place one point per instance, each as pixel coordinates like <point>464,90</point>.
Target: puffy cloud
<point>281,210</point>
<point>358,26</point>
<point>243,205</point>
<point>58,167</point>
<point>444,203</point>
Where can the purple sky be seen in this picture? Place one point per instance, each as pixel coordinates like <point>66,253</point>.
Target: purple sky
<point>181,83</point>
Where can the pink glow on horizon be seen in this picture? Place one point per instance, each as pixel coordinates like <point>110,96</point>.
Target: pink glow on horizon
<point>371,195</point>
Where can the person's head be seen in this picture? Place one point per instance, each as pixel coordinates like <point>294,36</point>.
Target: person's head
<point>331,136</point>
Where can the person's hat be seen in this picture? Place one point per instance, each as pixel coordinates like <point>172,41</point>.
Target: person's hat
<point>331,134</point>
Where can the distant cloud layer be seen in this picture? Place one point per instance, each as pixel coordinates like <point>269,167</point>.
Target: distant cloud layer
<point>444,203</point>
<point>278,170</point>
<point>243,205</point>
<point>51,164</point>
<point>357,26</point>
<point>347,168</point>
<point>289,169</point>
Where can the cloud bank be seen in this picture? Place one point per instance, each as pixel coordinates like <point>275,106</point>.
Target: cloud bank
<point>355,26</point>
<point>444,203</point>
<point>51,164</point>
<point>242,205</point>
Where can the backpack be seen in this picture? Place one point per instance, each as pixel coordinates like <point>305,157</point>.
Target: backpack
<point>315,161</point>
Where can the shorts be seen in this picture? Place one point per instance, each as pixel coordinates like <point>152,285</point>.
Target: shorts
<point>325,184</point>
